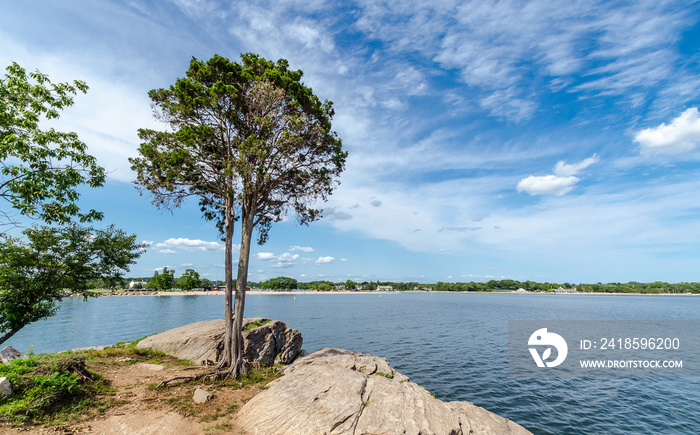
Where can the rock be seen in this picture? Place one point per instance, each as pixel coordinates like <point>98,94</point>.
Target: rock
<point>5,387</point>
<point>335,391</point>
<point>80,349</point>
<point>151,367</point>
<point>201,396</point>
<point>9,353</point>
<point>203,342</point>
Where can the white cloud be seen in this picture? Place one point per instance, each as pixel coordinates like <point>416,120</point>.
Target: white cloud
<point>559,184</point>
<point>167,251</point>
<point>547,185</point>
<point>282,261</point>
<point>681,136</point>
<point>324,260</point>
<point>189,245</point>
<point>561,169</point>
<point>332,213</point>
<point>286,260</point>
<point>301,248</point>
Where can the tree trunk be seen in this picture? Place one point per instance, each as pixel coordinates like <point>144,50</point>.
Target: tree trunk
<point>227,357</point>
<point>237,367</point>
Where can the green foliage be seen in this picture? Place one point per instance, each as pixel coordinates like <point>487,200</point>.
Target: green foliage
<point>41,169</point>
<point>255,324</point>
<point>189,280</point>
<point>250,141</point>
<point>280,283</point>
<point>250,133</point>
<point>34,270</point>
<point>314,285</point>
<point>47,387</point>
<point>163,280</point>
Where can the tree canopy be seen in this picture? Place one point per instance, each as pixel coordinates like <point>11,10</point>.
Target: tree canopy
<point>41,168</point>
<point>280,283</point>
<point>163,280</point>
<point>189,280</point>
<point>251,142</point>
<point>34,270</point>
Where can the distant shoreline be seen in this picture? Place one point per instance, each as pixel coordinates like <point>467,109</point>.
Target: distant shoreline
<point>346,292</point>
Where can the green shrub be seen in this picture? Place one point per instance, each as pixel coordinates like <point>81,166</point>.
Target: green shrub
<point>48,388</point>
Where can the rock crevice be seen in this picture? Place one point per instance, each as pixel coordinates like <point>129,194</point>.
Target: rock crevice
<point>203,342</point>
<point>335,391</point>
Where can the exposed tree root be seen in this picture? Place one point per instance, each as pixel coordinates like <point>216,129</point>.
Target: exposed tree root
<point>217,375</point>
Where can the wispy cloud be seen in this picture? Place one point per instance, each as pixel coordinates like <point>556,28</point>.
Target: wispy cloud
<point>188,245</point>
<point>325,260</point>
<point>301,248</point>
<point>585,47</point>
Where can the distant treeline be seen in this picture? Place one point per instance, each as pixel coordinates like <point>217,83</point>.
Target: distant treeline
<point>612,287</point>
<point>287,283</point>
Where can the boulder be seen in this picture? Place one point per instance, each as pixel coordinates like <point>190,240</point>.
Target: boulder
<point>335,391</point>
<point>201,396</point>
<point>203,342</point>
<point>9,353</point>
<point>5,387</point>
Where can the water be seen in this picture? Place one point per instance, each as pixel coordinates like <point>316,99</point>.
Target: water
<point>455,345</point>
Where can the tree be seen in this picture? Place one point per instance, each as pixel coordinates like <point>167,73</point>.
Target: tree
<point>280,283</point>
<point>41,169</point>
<point>252,143</point>
<point>189,280</point>
<point>33,272</point>
<point>162,281</point>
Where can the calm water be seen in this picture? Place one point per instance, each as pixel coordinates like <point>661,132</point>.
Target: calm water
<point>453,344</point>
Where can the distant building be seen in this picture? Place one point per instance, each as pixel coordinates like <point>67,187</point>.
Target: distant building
<point>521,290</point>
<point>133,284</point>
<point>424,289</point>
<point>562,290</point>
<point>340,287</point>
<point>384,288</point>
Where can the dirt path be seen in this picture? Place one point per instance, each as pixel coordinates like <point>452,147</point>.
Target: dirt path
<point>139,409</point>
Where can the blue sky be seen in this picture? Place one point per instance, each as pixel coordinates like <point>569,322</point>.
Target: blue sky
<point>486,140</point>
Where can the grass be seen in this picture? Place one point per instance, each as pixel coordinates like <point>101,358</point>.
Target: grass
<point>51,389</point>
<point>259,377</point>
<point>54,389</point>
<point>255,324</point>
<point>386,375</point>
<point>128,351</point>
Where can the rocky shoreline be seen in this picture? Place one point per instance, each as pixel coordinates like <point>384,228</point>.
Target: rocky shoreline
<point>331,391</point>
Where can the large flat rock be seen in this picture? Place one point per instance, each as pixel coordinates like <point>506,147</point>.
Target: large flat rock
<point>335,391</point>
<point>203,342</point>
